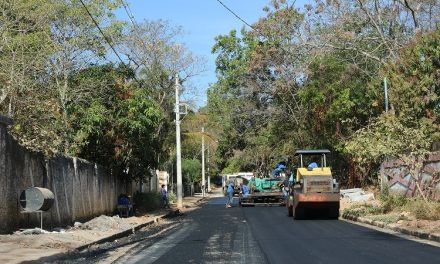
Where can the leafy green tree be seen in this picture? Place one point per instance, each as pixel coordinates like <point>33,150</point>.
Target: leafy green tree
<point>410,128</point>
<point>44,42</point>
<point>64,98</point>
<point>292,81</point>
<point>413,89</point>
<point>414,81</point>
<point>223,97</point>
<point>116,128</point>
<point>153,50</point>
<point>256,91</point>
<point>76,42</point>
<point>191,170</point>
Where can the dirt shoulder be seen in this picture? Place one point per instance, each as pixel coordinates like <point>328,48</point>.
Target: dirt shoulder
<point>20,247</point>
<point>399,219</point>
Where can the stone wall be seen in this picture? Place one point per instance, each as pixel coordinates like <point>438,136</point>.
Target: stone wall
<point>82,189</point>
<point>395,175</point>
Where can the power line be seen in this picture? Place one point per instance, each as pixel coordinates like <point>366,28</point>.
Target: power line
<point>237,16</point>
<point>107,40</point>
<point>249,25</point>
<point>129,14</point>
<point>135,26</point>
<point>102,33</point>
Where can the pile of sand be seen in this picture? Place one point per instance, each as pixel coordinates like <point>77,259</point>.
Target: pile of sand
<point>106,223</point>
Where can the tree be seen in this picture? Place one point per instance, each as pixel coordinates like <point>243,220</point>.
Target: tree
<point>257,89</point>
<point>116,127</point>
<point>64,98</point>
<point>414,81</point>
<point>153,50</point>
<point>409,130</point>
<point>387,136</point>
<point>372,30</point>
<point>22,51</point>
<point>191,171</point>
<point>309,78</point>
<point>76,42</point>
<point>44,43</point>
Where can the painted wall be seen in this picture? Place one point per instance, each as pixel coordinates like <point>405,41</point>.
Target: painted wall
<point>395,175</point>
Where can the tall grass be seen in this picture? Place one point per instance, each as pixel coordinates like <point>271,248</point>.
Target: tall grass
<point>392,202</point>
<point>423,210</point>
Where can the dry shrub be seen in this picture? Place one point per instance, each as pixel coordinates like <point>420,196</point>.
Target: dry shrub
<point>424,210</point>
<point>392,201</point>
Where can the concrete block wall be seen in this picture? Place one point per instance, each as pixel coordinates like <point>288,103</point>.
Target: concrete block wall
<point>82,189</point>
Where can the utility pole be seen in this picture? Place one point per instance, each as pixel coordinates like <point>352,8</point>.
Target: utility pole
<point>209,177</point>
<point>203,162</point>
<point>178,155</point>
<point>385,87</point>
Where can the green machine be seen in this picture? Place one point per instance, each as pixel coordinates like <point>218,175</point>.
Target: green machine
<point>267,184</point>
<point>264,191</point>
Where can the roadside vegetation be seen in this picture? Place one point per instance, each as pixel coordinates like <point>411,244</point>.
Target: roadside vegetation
<point>147,201</point>
<point>315,78</point>
<point>391,208</point>
<point>107,97</point>
<point>310,77</point>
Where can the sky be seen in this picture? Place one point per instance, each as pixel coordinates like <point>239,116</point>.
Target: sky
<point>201,21</point>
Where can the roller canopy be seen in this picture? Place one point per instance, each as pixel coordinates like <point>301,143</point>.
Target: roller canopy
<point>312,152</point>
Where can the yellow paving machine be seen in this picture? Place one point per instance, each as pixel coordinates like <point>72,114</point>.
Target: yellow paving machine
<point>314,192</point>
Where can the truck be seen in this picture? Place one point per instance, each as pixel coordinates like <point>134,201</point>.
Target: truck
<point>264,191</point>
<point>314,192</point>
<point>236,179</point>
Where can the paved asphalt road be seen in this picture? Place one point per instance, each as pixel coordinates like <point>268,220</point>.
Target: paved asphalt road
<point>215,234</point>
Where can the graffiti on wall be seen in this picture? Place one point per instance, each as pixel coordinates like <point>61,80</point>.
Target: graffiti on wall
<point>397,177</point>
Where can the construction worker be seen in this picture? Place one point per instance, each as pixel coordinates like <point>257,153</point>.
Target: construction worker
<point>230,191</point>
<point>244,189</point>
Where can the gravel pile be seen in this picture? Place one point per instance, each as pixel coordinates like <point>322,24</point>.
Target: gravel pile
<point>105,223</point>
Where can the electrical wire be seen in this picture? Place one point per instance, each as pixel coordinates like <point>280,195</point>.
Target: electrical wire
<point>129,14</point>
<point>135,26</point>
<point>106,39</point>
<point>235,14</point>
<point>247,24</point>
<point>102,33</point>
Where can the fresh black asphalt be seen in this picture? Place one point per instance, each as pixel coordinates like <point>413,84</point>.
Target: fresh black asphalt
<point>215,234</point>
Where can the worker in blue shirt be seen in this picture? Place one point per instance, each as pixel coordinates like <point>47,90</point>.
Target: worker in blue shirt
<point>230,191</point>
<point>244,189</point>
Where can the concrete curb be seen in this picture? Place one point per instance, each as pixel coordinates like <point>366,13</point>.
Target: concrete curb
<point>120,234</point>
<point>415,233</point>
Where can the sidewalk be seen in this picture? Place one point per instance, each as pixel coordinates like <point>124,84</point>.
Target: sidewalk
<point>18,248</point>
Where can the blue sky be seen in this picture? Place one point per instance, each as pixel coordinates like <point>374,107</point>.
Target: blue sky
<point>201,21</point>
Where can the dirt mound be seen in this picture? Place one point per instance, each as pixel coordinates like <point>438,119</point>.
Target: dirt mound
<point>106,223</point>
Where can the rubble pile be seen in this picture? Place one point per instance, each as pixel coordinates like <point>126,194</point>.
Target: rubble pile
<point>105,223</point>
<point>356,195</point>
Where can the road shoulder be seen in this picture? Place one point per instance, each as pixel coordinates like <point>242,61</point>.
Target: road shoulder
<point>397,229</point>
<point>18,248</point>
